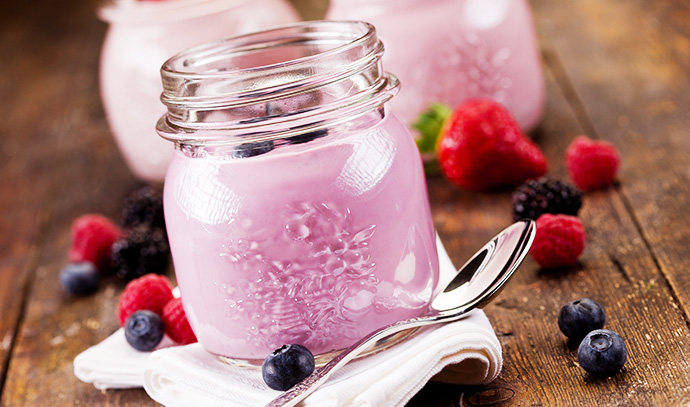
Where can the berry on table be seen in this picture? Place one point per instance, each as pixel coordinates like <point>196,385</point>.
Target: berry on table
<point>176,323</point>
<point>287,366</point>
<point>580,317</point>
<point>92,238</point>
<point>480,146</point>
<point>151,292</point>
<point>80,278</point>
<point>144,330</point>
<point>591,164</point>
<point>142,250</point>
<point>545,195</point>
<point>144,207</point>
<point>602,353</point>
<point>559,240</point>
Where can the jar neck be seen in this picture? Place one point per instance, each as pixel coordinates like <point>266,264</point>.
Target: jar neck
<point>141,12</point>
<point>274,84</point>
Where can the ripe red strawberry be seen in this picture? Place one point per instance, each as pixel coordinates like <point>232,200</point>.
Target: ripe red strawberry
<point>481,147</point>
<point>559,241</point>
<point>92,237</point>
<point>176,324</point>
<point>151,292</point>
<point>591,164</point>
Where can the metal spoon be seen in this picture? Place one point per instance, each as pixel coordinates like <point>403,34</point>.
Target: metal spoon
<point>475,285</point>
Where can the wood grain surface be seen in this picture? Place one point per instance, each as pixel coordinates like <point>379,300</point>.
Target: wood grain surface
<point>616,70</point>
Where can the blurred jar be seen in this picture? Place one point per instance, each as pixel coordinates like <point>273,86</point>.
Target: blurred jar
<point>144,34</point>
<point>451,50</point>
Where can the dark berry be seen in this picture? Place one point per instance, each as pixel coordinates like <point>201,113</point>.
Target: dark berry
<point>80,278</point>
<point>287,366</point>
<point>580,317</point>
<point>245,150</point>
<point>142,250</point>
<point>537,197</point>
<point>307,137</point>
<point>602,353</point>
<point>144,207</point>
<point>144,330</point>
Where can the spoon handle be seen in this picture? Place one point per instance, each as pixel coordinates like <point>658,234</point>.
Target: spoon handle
<point>304,388</point>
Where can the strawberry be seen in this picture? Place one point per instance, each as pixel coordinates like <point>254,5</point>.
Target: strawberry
<point>480,146</point>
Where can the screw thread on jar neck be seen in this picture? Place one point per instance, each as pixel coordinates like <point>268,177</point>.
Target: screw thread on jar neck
<point>274,83</point>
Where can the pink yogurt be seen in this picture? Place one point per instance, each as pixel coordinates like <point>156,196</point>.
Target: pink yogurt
<point>451,50</point>
<point>141,36</point>
<point>316,243</point>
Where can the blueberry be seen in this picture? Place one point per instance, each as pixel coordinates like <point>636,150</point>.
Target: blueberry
<point>307,137</point>
<point>602,353</point>
<point>245,150</point>
<point>287,366</point>
<point>80,278</point>
<point>580,317</point>
<point>144,330</point>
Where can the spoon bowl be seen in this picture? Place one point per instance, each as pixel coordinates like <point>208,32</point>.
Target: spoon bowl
<point>474,285</point>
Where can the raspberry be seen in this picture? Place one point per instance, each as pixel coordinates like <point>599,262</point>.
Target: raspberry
<point>92,237</point>
<point>144,207</point>
<point>591,164</point>
<point>151,292</point>
<point>483,148</point>
<point>142,250</point>
<point>176,324</point>
<point>545,195</point>
<point>559,241</point>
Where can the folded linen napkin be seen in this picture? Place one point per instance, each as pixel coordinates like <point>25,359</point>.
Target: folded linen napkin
<point>189,376</point>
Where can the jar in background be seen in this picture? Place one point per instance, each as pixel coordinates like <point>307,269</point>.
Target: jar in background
<point>295,204</point>
<point>141,36</point>
<point>451,50</point>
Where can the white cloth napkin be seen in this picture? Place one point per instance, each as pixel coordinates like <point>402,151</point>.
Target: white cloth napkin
<point>189,376</point>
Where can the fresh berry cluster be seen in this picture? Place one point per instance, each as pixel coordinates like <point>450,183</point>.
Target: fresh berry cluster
<point>148,309</point>
<point>99,245</point>
<point>601,353</point>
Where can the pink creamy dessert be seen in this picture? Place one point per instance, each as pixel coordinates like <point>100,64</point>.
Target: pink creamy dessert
<point>448,51</point>
<point>141,36</point>
<point>317,244</point>
<point>296,205</point>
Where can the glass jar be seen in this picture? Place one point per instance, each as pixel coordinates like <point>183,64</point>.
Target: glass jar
<point>451,50</point>
<point>141,36</point>
<point>296,205</point>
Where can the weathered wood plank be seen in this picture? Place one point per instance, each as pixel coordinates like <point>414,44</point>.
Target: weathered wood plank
<point>628,61</point>
<point>59,161</point>
<point>616,269</point>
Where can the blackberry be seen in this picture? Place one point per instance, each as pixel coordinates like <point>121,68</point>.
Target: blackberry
<point>144,207</point>
<point>537,197</point>
<point>142,250</point>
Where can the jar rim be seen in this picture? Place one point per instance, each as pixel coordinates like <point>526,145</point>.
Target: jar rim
<point>156,12</point>
<point>207,78</point>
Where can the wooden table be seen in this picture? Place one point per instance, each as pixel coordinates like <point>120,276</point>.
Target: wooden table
<point>617,70</point>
